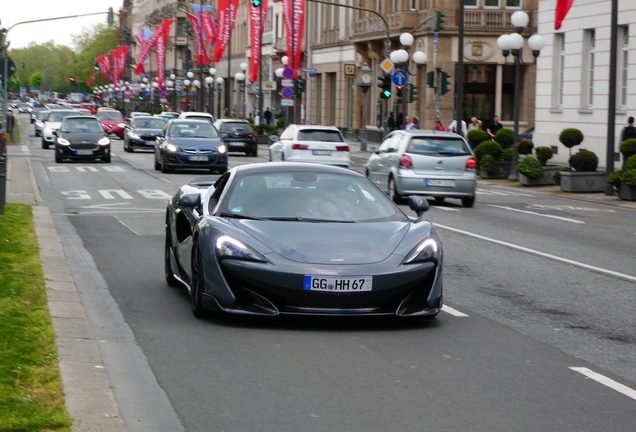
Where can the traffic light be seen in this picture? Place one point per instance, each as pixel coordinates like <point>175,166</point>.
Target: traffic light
<point>141,96</point>
<point>71,79</point>
<point>385,85</point>
<point>96,66</point>
<point>412,92</point>
<point>111,16</point>
<point>445,82</point>
<point>430,79</point>
<point>399,91</point>
<point>439,20</point>
<point>302,84</point>
<point>257,3</point>
<point>296,89</point>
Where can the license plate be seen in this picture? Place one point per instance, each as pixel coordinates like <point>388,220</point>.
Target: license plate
<point>235,144</point>
<point>198,158</point>
<point>321,152</point>
<point>84,152</point>
<point>337,284</point>
<point>442,183</point>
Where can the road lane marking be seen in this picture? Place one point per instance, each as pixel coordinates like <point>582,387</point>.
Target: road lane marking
<point>121,222</point>
<point>539,253</point>
<point>538,214</point>
<point>25,149</point>
<point>453,312</point>
<point>606,381</point>
<point>446,208</point>
<point>495,192</point>
<point>567,207</point>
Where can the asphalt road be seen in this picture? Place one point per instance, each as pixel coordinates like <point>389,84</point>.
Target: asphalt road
<point>535,285</point>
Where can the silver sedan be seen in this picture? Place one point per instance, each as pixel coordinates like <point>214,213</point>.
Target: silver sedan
<point>437,164</point>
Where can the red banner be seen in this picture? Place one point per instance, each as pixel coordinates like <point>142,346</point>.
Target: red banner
<point>92,80</point>
<point>161,51</point>
<point>209,31</point>
<point>258,16</point>
<point>294,18</point>
<point>122,59</point>
<point>146,49</point>
<point>226,15</point>
<point>202,55</point>
<point>104,65</point>
<point>562,8</point>
<point>115,69</point>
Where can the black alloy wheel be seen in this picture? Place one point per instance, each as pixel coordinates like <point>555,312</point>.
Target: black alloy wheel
<point>393,193</point>
<point>197,282</point>
<point>255,151</point>
<point>106,159</point>
<point>58,158</point>
<point>45,145</point>
<point>157,164</point>
<point>468,202</point>
<point>170,279</point>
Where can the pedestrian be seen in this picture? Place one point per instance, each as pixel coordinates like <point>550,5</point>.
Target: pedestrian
<point>267,115</point>
<point>453,128</point>
<point>416,123</point>
<point>629,131</point>
<point>493,127</point>
<point>475,123</point>
<point>439,126</point>
<point>257,119</point>
<point>409,123</point>
<point>391,122</point>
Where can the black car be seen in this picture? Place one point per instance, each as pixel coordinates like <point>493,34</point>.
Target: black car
<point>238,135</point>
<point>190,144</point>
<point>141,132</point>
<point>81,137</point>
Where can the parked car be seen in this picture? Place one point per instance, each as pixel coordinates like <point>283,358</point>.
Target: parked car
<point>40,118</point>
<point>238,135</point>
<point>298,238</point>
<point>196,116</point>
<point>141,133</point>
<point>416,162</point>
<point>81,137</point>
<point>311,143</point>
<point>187,143</point>
<point>112,121</point>
<point>52,123</point>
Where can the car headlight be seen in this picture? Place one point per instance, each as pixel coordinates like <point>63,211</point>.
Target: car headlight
<point>62,141</point>
<point>172,148</point>
<point>425,251</point>
<point>39,124</point>
<point>228,247</point>
<point>121,125</point>
<point>133,135</point>
<point>221,149</point>
<point>103,141</point>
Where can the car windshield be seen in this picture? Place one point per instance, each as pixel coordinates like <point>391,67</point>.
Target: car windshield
<point>84,112</point>
<point>82,126</point>
<point>148,123</point>
<point>319,135</point>
<point>236,127</point>
<point>43,115</point>
<point>438,146</point>
<point>109,115</point>
<point>58,116</point>
<point>193,130</point>
<point>308,196</point>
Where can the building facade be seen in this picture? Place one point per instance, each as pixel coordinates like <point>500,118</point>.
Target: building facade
<point>573,74</point>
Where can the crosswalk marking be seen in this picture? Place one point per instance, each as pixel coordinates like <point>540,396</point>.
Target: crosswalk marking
<point>109,194</point>
<point>85,168</point>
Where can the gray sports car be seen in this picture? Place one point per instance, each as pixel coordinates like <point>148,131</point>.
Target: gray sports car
<point>298,238</point>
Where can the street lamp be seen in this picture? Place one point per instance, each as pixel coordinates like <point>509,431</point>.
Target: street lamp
<point>401,59</point>
<point>220,82</point>
<point>210,82</point>
<point>244,67</point>
<point>240,78</point>
<point>513,43</point>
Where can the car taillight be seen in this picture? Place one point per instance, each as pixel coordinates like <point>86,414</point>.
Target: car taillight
<point>251,135</point>
<point>342,148</point>
<point>300,146</point>
<point>406,162</point>
<point>471,164</point>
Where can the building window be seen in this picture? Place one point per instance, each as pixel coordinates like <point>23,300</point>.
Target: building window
<point>412,5</point>
<point>587,69</point>
<point>181,26</point>
<point>491,3</point>
<point>470,3</point>
<point>624,65</point>
<point>559,69</point>
<point>513,4</point>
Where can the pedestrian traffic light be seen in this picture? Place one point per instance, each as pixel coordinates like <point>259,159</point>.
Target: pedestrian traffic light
<point>412,92</point>
<point>445,82</point>
<point>385,85</point>
<point>399,91</point>
<point>257,3</point>
<point>439,20</point>
<point>430,79</point>
<point>302,84</point>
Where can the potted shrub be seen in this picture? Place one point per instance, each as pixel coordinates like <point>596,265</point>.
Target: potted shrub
<point>544,153</point>
<point>584,177</point>
<point>487,166</point>
<point>505,137</point>
<point>570,137</point>
<point>492,149</point>
<point>628,149</point>
<point>525,146</point>
<point>506,154</point>
<point>556,177</point>
<point>531,173</point>
<point>476,137</point>
<point>624,180</point>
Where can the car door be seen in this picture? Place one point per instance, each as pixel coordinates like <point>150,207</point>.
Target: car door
<point>391,158</point>
<point>277,149</point>
<point>375,170</point>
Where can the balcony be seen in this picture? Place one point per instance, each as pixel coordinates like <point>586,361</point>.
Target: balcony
<point>372,27</point>
<point>181,40</point>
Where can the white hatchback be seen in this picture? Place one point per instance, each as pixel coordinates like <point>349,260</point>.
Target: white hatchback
<point>311,143</point>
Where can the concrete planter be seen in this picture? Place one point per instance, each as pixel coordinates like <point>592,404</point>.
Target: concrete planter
<point>262,139</point>
<point>583,181</point>
<point>542,180</point>
<point>503,171</point>
<point>627,193</point>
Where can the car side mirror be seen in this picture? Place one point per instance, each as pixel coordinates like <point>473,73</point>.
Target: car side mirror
<point>192,200</point>
<point>55,132</point>
<point>160,135</point>
<point>418,205</point>
<point>273,138</point>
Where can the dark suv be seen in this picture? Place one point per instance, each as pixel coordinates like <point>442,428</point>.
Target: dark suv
<point>238,135</point>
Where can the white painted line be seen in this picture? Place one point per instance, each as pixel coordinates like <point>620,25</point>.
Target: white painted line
<point>538,214</point>
<point>120,221</point>
<point>543,254</point>
<point>453,312</point>
<point>606,381</point>
<point>25,149</point>
<point>166,180</point>
<point>496,192</point>
<point>445,208</point>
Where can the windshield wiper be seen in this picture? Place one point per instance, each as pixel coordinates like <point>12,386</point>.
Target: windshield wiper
<point>304,219</point>
<point>240,216</point>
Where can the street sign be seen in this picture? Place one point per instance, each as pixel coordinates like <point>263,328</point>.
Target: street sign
<point>267,86</point>
<point>386,65</point>
<point>399,79</point>
<point>288,73</point>
<point>287,83</point>
<point>308,70</point>
<point>287,92</point>
<point>287,102</point>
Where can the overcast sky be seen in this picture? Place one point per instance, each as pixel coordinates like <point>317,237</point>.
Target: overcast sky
<point>61,31</point>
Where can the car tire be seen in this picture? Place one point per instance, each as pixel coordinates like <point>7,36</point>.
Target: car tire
<point>255,152</point>
<point>222,170</point>
<point>393,194</point>
<point>170,279</point>
<point>198,282</point>
<point>164,166</point>
<point>468,202</point>
<point>439,200</point>
<point>106,159</point>
<point>126,148</point>
<point>58,158</point>
<point>45,145</point>
<point>157,164</point>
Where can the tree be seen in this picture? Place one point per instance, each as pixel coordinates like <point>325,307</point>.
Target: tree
<point>50,59</point>
<point>92,44</point>
<point>35,80</point>
<point>14,84</point>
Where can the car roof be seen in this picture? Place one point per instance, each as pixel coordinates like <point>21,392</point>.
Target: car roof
<point>315,127</point>
<point>264,167</point>
<point>81,117</point>
<point>232,121</point>
<point>194,113</point>
<point>429,133</point>
<point>187,120</point>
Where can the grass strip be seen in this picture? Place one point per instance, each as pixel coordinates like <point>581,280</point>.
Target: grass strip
<point>31,395</point>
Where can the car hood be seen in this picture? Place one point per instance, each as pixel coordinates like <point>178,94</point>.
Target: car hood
<point>195,143</point>
<point>326,242</point>
<point>82,138</point>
